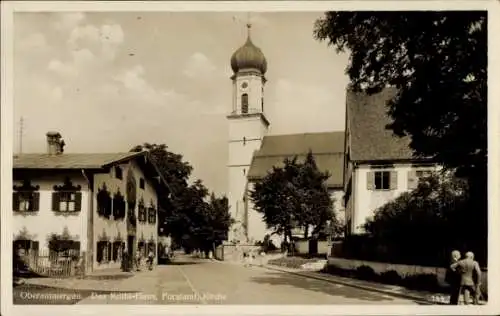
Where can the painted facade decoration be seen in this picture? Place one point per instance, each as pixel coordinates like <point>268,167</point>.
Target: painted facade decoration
<point>85,199</point>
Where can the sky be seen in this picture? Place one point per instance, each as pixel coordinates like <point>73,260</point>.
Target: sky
<point>108,81</point>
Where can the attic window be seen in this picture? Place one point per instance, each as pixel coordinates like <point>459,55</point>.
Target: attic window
<point>142,183</point>
<point>118,173</point>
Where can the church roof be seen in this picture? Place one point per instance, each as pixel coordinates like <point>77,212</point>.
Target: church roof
<point>327,148</point>
<point>370,139</point>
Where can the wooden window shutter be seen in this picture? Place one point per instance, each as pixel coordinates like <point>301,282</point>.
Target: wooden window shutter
<point>78,201</point>
<point>36,201</point>
<point>370,180</point>
<point>55,201</point>
<point>108,244</point>
<point>99,252</point>
<point>412,180</point>
<point>15,201</point>
<point>75,245</point>
<point>393,184</point>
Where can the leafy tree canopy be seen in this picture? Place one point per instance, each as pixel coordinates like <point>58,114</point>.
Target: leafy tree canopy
<point>438,63</point>
<point>191,215</point>
<point>294,195</point>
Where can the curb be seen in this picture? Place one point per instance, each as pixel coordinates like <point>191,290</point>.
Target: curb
<point>362,287</point>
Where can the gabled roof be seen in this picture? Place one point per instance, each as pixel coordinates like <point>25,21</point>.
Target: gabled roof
<point>370,139</point>
<point>80,161</point>
<point>327,149</point>
<point>70,160</point>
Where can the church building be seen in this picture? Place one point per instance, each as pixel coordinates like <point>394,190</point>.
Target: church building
<point>252,152</point>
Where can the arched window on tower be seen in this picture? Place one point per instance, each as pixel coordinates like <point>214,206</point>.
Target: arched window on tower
<point>244,103</point>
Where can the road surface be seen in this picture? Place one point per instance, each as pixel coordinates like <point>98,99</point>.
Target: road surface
<point>196,281</point>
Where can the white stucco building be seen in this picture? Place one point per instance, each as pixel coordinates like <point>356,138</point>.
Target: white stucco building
<point>105,203</point>
<point>252,152</point>
<point>379,165</point>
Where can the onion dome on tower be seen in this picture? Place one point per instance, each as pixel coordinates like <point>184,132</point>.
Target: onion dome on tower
<point>248,57</point>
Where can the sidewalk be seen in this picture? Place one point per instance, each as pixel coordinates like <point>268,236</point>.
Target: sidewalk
<point>394,290</point>
<point>102,280</point>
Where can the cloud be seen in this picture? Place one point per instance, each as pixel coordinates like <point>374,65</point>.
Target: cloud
<point>106,38</point>
<point>68,21</point>
<point>199,66</point>
<point>138,88</point>
<point>62,69</point>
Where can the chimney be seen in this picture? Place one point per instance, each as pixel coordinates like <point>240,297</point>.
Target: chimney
<point>55,144</point>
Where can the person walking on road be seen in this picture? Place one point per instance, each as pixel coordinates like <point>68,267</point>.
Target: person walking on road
<point>138,260</point>
<point>470,281</point>
<point>453,278</point>
<point>151,257</point>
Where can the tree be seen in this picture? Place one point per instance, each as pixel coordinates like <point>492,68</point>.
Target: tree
<point>272,198</point>
<point>294,195</point>
<point>316,207</point>
<point>437,61</point>
<point>433,215</point>
<point>186,215</point>
<point>176,172</point>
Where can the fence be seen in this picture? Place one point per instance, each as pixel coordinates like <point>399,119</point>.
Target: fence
<point>53,264</point>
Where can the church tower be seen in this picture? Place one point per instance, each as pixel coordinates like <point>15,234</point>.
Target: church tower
<point>247,127</point>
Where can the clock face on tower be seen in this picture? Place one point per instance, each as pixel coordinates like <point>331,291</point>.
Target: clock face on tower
<point>244,85</point>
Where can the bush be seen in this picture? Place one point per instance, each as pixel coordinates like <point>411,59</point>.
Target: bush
<point>391,277</point>
<point>335,270</point>
<point>366,273</point>
<point>423,281</point>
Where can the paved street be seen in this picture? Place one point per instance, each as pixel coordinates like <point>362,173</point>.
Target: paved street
<point>196,281</point>
<point>223,283</point>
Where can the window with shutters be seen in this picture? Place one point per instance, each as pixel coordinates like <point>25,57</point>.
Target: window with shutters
<point>423,173</point>
<point>118,206</point>
<point>116,250</point>
<point>152,215</point>
<point>244,103</point>
<point>67,201</point>
<point>104,202</point>
<point>26,247</point>
<point>141,212</point>
<point>103,251</point>
<point>67,198</point>
<point>26,198</point>
<point>382,180</point>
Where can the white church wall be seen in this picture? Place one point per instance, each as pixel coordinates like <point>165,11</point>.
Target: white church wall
<point>241,153</point>
<point>250,127</point>
<point>254,91</point>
